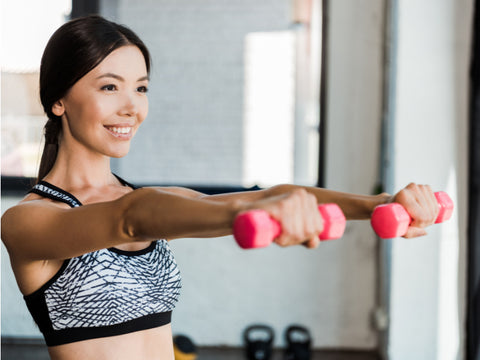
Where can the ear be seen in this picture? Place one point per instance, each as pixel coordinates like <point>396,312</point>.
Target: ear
<point>58,108</point>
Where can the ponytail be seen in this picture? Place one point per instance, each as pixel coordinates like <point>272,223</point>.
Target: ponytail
<point>52,131</point>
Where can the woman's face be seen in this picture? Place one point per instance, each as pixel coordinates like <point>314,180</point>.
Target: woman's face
<point>103,110</point>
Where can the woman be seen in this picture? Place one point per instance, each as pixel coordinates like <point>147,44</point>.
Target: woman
<point>83,244</point>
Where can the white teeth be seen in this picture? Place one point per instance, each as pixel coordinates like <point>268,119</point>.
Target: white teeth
<point>121,130</point>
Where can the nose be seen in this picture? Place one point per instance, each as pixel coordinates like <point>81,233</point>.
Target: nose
<point>129,105</point>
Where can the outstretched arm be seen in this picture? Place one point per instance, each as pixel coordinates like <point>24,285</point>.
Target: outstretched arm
<point>41,230</point>
<point>418,200</point>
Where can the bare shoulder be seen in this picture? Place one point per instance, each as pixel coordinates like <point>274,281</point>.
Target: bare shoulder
<point>42,229</point>
<point>17,221</point>
<point>22,214</point>
<point>181,191</point>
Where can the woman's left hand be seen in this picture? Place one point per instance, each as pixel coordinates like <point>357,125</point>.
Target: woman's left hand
<point>421,204</point>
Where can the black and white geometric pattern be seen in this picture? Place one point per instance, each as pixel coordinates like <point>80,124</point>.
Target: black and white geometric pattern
<point>106,287</point>
<point>46,189</point>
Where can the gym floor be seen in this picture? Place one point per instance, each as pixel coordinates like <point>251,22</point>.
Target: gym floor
<point>16,351</point>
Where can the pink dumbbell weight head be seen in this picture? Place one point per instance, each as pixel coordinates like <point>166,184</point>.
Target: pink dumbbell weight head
<point>392,220</point>
<point>256,229</point>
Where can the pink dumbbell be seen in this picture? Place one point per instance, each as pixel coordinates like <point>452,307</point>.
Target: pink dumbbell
<point>392,220</point>
<point>256,229</point>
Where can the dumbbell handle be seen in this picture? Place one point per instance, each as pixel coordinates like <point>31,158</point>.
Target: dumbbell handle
<point>257,229</point>
<point>392,220</point>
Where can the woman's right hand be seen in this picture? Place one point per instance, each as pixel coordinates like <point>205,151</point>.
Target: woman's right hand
<point>297,212</point>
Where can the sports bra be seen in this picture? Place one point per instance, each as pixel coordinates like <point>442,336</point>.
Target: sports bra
<point>106,292</point>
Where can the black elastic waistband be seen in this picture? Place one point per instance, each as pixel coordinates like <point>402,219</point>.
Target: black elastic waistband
<point>61,337</point>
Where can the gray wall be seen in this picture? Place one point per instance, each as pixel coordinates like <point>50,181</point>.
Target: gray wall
<point>196,98</point>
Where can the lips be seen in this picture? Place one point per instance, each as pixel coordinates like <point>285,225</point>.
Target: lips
<point>122,132</point>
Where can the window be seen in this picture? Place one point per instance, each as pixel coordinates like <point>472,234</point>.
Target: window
<point>233,99</point>
<point>24,36</point>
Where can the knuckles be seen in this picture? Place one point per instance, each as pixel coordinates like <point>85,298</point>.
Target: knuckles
<point>300,219</point>
<point>420,202</point>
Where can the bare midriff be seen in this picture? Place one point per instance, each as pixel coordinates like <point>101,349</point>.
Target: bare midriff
<point>151,344</point>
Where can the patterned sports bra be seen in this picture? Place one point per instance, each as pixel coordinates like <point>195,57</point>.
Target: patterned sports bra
<point>106,292</point>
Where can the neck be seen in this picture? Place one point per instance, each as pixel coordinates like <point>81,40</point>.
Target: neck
<point>79,168</point>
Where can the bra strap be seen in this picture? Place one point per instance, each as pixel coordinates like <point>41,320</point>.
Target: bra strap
<point>53,192</point>
<point>50,191</point>
<point>125,183</point>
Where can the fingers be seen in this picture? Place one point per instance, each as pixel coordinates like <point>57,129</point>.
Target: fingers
<point>301,221</point>
<point>421,204</point>
<point>414,232</point>
<point>312,243</point>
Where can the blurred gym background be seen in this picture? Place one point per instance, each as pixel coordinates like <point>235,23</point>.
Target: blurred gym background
<point>358,96</point>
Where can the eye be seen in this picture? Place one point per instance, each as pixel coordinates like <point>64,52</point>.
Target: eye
<point>109,87</point>
<point>142,89</point>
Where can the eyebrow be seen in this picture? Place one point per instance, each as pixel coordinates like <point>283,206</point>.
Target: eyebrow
<point>118,77</point>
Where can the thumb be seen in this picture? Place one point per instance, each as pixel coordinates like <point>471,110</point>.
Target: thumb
<point>414,232</point>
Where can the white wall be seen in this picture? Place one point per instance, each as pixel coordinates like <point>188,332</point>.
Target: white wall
<point>430,142</point>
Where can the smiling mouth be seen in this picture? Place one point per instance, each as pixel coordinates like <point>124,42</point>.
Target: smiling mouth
<point>123,132</point>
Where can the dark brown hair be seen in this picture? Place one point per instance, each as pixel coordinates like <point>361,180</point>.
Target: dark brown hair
<point>74,49</point>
